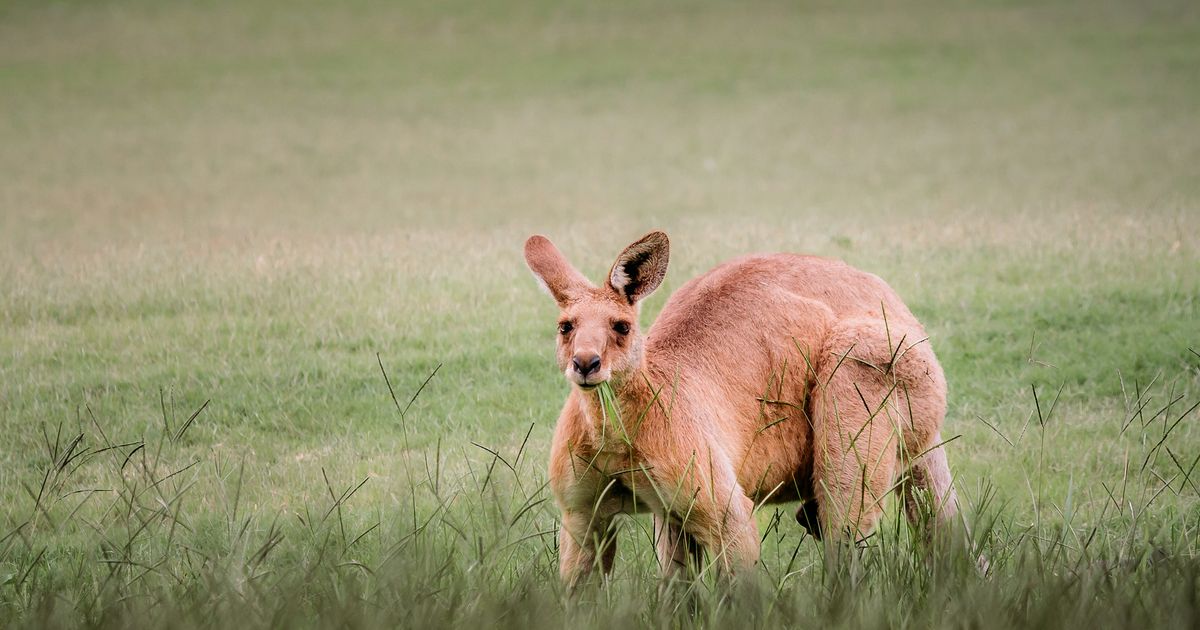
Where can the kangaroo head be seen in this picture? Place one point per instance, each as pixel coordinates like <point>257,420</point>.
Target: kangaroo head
<point>598,336</point>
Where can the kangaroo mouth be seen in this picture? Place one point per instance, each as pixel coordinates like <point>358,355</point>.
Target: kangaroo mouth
<point>588,384</point>
<point>590,381</point>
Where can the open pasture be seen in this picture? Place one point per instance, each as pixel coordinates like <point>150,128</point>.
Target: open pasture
<point>222,223</point>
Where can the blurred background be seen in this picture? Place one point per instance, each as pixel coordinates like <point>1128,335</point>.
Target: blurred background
<point>247,202</point>
<point>131,122</point>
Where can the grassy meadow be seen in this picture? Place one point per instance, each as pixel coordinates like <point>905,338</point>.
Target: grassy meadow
<point>223,223</point>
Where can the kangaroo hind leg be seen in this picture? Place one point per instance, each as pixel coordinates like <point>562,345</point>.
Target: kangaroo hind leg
<point>857,435</point>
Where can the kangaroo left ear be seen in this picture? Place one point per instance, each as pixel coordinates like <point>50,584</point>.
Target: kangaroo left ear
<point>641,267</point>
<point>552,269</point>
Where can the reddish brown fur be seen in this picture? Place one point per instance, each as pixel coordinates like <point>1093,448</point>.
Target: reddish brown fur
<point>770,378</point>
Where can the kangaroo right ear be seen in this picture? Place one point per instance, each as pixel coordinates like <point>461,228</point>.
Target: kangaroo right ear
<point>552,270</point>
<point>641,267</point>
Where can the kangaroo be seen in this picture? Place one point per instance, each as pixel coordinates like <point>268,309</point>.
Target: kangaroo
<point>771,378</point>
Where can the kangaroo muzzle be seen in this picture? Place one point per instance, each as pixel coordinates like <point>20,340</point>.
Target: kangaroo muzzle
<point>586,364</point>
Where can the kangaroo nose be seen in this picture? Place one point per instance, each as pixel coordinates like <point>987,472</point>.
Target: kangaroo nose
<point>587,365</point>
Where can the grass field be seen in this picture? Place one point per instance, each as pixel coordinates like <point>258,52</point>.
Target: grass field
<point>220,220</point>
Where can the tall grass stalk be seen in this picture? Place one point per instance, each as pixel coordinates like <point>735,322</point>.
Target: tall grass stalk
<point>116,534</point>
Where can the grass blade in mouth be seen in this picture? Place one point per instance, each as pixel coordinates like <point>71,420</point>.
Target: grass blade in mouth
<point>612,413</point>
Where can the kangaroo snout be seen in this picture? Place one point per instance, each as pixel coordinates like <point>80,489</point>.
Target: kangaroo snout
<point>586,364</point>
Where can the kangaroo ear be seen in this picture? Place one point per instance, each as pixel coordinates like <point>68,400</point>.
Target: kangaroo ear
<point>552,270</point>
<point>641,267</point>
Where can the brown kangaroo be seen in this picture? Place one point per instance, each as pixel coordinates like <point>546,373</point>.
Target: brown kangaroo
<point>770,378</point>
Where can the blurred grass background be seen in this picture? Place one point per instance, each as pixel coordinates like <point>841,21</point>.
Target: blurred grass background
<point>244,202</point>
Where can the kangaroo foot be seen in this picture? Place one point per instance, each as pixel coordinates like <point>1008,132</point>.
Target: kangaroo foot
<point>807,516</point>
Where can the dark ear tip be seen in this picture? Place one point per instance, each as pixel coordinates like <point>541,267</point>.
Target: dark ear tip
<point>659,239</point>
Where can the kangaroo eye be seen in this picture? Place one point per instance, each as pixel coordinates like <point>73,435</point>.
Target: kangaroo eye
<point>622,328</point>
<point>565,328</point>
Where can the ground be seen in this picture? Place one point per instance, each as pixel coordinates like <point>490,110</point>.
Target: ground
<point>242,211</point>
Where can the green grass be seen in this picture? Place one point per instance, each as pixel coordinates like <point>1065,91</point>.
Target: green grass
<point>254,204</point>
